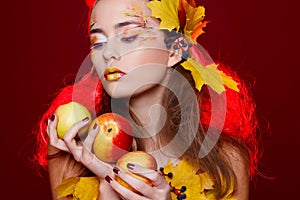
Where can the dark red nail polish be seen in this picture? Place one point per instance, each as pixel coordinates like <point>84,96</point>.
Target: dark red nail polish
<point>95,126</point>
<point>52,117</point>
<point>108,179</point>
<point>85,119</point>
<point>130,166</point>
<point>116,170</point>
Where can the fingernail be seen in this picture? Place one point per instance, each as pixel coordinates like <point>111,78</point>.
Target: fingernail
<point>130,166</point>
<point>95,126</point>
<point>116,170</point>
<point>52,117</point>
<point>108,179</point>
<point>85,119</point>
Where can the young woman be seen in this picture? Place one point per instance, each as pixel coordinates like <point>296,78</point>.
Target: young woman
<point>194,116</point>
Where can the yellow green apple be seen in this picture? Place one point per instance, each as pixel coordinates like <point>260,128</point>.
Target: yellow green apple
<point>68,114</point>
<point>137,158</point>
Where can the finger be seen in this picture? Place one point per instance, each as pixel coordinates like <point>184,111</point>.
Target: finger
<point>48,127</point>
<point>157,179</point>
<point>51,128</point>
<point>100,168</point>
<point>72,132</point>
<point>69,138</point>
<point>106,192</point>
<point>124,192</point>
<point>89,140</point>
<point>87,155</point>
<point>136,183</point>
<point>52,133</point>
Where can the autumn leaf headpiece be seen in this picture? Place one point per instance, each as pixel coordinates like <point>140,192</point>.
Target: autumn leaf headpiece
<point>179,15</point>
<point>184,16</point>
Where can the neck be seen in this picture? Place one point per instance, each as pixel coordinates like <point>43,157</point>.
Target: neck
<point>147,108</point>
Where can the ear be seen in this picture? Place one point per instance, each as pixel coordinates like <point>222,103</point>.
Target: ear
<point>174,58</point>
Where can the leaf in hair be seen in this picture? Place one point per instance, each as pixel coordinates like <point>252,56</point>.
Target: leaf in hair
<point>167,12</point>
<point>210,76</point>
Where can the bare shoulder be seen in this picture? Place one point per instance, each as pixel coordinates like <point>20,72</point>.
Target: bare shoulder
<point>240,167</point>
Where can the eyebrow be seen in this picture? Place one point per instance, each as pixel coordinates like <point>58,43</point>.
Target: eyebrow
<point>96,30</point>
<point>127,23</point>
<point>92,25</point>
<point>117,26</point>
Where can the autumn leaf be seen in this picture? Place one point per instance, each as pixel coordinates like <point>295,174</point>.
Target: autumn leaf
<point>83,188</point>
<point>206,182</point>
<point>185,174</point>
<point>199,186</point>
<point>181,15</point>
<point>194,20</point>
<point>167,12</point>
<point>67,187</point>
<point>87,188</point>
<point>209,75</point>
<point>191,2</point>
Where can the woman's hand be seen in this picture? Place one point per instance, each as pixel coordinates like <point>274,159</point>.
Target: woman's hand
<point>159,190</point>
<point>81,151</point>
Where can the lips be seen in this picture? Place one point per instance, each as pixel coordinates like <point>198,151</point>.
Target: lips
<point>113,74</point>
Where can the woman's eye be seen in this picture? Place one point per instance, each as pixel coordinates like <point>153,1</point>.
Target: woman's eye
<point>98,41</point>
<point>97,45</point>
<point>130,38</point>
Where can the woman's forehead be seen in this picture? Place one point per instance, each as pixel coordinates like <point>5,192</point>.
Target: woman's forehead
<point>111,9</point>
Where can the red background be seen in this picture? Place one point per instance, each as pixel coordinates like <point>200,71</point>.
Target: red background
<point>43,41</point>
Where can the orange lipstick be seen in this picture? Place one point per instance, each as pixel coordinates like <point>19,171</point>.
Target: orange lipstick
<point>113,74</point>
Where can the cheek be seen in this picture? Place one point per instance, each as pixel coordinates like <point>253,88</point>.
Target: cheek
<point>146,57</point>
<point>137,81</point>
<point>97,60</point>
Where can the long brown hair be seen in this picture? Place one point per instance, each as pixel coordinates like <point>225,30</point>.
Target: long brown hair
<point>239,129</point>
<point>244,141</point>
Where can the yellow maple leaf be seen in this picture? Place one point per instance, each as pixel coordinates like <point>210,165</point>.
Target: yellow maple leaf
<point>209,75</point>
<point>206,181</point>
<point>194,20</point>
<point>83,188</point>
<point>67,187</point>
<point>167,12</point>
<point>185,174</point>
<point>87,188</point>
<point>179,15</point>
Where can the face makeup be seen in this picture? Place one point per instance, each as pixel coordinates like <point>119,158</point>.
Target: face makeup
<point>129,56</point>
<point>113,74</point>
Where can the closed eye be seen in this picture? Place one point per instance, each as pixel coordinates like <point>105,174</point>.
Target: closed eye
<point>98,40</point>
<point>98,45</point>
<point>129,38</point>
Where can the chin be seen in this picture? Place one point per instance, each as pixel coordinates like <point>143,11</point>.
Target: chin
<point>125,91</point>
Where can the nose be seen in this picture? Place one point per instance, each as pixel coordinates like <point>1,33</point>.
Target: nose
<point>111,50</point>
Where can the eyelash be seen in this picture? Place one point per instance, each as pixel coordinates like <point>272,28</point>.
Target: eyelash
<point>98,45</point>
<point>130,38</point>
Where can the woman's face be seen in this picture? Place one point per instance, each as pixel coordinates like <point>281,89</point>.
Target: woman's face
<point>128,49</point>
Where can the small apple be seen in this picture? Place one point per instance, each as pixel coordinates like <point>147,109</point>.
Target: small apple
<point>138,158</point>
<point>114,138</point>
<point>68,114</point>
